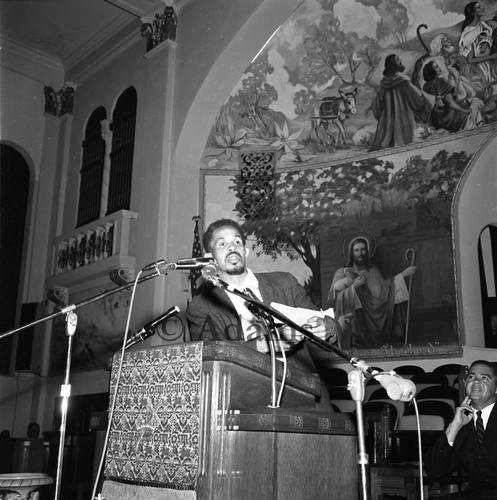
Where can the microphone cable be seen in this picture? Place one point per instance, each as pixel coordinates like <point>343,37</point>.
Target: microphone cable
<point>272,332</point>
<point>420,451</point>
<point>116,388</point>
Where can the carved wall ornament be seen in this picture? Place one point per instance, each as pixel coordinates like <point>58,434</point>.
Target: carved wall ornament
<point>162,28</point>
<point>59,295</point>
<point>59,102</point>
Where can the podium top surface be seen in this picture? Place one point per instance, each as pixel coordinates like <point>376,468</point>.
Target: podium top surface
<point>250,359</point>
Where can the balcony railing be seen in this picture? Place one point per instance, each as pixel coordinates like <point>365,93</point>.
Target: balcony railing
<point>92,250</point>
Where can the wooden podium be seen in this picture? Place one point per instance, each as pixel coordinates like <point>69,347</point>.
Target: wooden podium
<point>248,450</point>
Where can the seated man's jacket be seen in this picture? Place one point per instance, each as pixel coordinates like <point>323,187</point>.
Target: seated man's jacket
<point>478,462</point>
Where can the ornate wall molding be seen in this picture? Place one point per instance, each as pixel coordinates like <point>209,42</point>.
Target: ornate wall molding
<point>59,295</point>
<point>161,28</point>
<point>59,102</point>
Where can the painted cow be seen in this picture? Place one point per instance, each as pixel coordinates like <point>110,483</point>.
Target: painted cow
<point>335,110</point>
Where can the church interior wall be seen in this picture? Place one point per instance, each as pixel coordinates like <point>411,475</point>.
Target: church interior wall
<point>167,190</point>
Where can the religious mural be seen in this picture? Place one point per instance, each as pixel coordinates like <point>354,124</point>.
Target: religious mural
<point>398,206</point>
<point>348,135</point>
<point>346,76</point>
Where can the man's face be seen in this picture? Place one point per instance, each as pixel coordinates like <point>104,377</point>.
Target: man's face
<point>479,10</point>
<point>481,386</point>
<point>228,251</point>
<point>359,253</point>
<point>399,65</point>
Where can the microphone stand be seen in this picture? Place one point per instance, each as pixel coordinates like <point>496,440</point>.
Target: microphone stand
<point>356,378</point>
<point>268,321</point>
<point>73,307</point>
<point>71,323</point>
<point>65,392</point>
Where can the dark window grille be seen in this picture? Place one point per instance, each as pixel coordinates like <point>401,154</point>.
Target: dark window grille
<point>92,169</point>
<point>121,157</point>
<point>256,184</point>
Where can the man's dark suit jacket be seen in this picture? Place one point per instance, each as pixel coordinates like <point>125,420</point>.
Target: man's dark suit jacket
<point>212,316</point>
<point>479,462</point>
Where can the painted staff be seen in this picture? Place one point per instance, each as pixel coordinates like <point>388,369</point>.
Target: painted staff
<point>413,255</point>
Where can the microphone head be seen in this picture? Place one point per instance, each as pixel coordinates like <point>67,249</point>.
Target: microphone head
<point>209,271</point>
<point>398,388</point>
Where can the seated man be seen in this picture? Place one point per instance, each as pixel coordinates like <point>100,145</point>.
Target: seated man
<point>218,315</point>
<point>449,114</point>
<point>470,440</point>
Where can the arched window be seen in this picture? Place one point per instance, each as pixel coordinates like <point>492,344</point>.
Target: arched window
<point>121,156</point>
<point>92,169</point>
<point>487,259</point>
<point>14,189</point>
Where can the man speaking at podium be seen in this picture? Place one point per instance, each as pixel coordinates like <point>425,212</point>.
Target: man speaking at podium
<point>219,315</point>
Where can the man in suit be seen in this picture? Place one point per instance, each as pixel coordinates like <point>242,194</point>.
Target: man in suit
<point>470,440</point>
<point>218,315</point>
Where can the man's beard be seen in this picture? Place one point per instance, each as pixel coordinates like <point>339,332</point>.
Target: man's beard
<point>361,261</point>
<point>237,270</point>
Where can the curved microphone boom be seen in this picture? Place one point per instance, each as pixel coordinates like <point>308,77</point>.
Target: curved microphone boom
<point>149,329</point>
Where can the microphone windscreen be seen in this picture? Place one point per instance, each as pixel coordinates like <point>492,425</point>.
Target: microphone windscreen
<point>209,270</point>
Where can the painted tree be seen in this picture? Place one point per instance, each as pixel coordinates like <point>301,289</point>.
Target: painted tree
<point>253,99</point>
<point>394,20</point>
<point>331,53</point>
<point>303,100</point>
<point>368,51</point>
<point>307,202</point>
<point>431,184</point>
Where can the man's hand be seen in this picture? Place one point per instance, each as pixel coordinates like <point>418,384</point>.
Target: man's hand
<point>463,415</point>
<point>345,320</point>
<point>328,328</point>
<point>359,281</point>
<point>290,337</point>
<point>349,273</point>
<point>408,271</point>
<point>317,326</point>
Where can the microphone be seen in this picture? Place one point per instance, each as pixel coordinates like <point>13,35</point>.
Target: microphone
<point>398,388</point>
<point>71,323</point>
<point>209,273</point>
<point>192,263</point>
<point>161,266</point>
<point>149,329</point>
